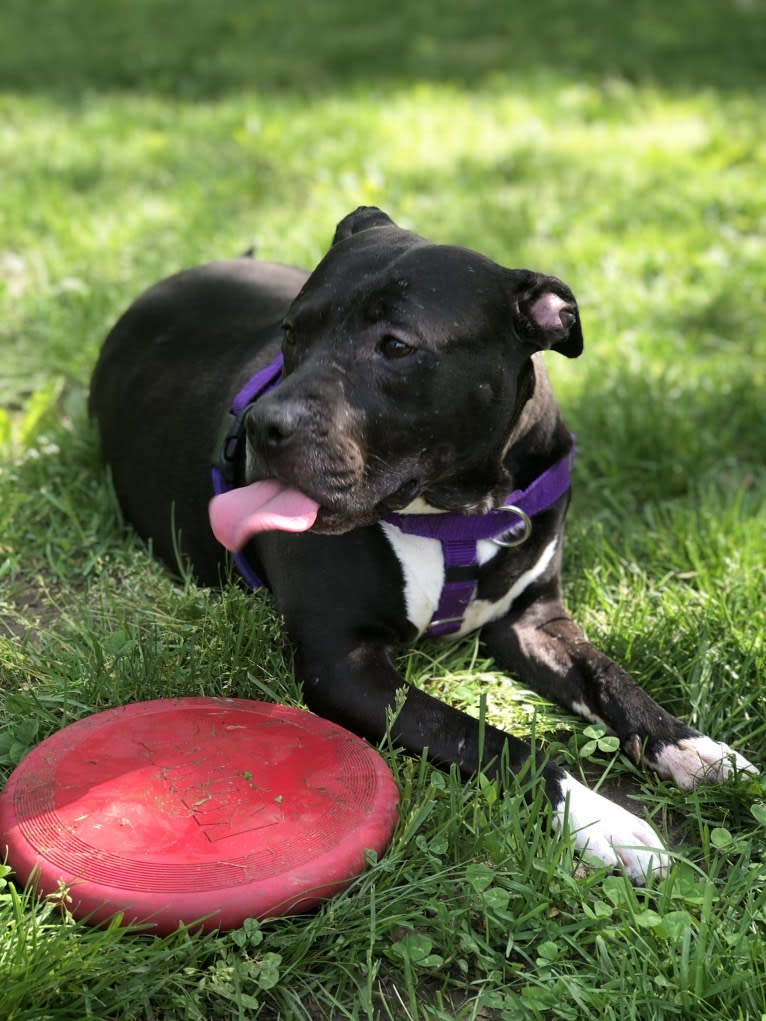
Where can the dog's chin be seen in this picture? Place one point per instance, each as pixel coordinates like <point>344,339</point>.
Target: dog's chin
<point>452,503</point>
<point>363,509</point>
<point>336,522</point>
<point>459,499</point>
<point>408,499</point>
<point>399,498</point>
<point>411,498</point>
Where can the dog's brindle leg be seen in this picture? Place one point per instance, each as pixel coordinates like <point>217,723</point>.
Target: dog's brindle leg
<point>367,692</point>
<point>540,644</point>
<point>360,690</point>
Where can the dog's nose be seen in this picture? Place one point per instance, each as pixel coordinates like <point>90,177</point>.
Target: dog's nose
<point>273,426</point>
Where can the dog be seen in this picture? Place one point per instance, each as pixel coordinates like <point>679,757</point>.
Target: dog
<point>390,462</point>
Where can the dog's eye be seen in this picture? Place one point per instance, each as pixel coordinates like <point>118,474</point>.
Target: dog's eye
<point>394,347</point>
<point>288,336</point>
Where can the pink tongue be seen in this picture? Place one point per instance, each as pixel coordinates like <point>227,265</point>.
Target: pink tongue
<point>265,506</point>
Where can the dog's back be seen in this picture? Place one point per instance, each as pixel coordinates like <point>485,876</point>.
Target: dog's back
<point>214,324</point>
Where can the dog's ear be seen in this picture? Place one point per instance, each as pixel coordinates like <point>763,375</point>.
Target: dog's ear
<point>545,313</point>
<point>361,219</point>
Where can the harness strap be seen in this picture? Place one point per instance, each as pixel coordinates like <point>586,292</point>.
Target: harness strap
<point>458,534</point>
<point>227,453</point>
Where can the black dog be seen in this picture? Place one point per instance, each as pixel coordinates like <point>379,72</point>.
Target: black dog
<point>405,471</point>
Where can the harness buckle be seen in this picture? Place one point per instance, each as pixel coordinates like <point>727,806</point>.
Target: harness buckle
<point>524,520</point>
<point>442,621</point>
<point>227,449</point>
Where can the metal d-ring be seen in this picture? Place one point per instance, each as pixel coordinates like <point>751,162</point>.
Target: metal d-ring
<point>525,520</point>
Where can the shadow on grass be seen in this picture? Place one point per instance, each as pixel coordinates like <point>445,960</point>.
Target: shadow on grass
<point>193,49</point>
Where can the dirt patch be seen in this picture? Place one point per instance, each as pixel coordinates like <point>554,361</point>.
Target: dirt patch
<point>27,612</point>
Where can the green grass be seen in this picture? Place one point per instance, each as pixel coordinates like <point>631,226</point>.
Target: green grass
<point>619,146</point>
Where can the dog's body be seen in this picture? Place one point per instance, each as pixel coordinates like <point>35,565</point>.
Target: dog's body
<point>412,383</point>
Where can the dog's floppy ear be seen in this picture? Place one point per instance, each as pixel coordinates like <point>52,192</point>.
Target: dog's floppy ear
<point>361,219</point>
<point>545,313</point>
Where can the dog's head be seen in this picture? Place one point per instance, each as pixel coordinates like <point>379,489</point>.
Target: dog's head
<point>407,365</point>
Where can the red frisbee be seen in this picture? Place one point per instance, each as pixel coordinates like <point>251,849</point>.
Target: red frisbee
<point>197,809</point>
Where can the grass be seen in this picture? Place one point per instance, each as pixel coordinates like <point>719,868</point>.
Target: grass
<point>620,147</point>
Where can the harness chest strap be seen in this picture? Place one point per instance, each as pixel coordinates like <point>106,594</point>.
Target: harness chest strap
<point>458,534</point>
<point>227,453</point>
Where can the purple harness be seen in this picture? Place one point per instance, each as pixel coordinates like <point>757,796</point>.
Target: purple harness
<point>508,525</point>
<point>225,466</point>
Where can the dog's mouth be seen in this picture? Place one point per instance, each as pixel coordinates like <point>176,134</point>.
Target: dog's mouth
<point>271,505</point>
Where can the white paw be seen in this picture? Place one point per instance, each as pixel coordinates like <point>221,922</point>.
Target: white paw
<point>606,834</point>
<point>695,760</point>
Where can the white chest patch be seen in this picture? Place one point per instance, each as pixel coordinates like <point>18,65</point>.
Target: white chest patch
<point>423,569</point>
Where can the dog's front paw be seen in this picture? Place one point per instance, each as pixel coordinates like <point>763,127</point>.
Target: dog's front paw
<point>695,760</point>
<point>607,834</point>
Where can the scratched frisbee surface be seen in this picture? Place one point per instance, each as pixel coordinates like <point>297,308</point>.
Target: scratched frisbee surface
<point>197,808</point>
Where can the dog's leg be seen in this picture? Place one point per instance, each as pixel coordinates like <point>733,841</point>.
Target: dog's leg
<point>544,648</point>
<point>360,689</point>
